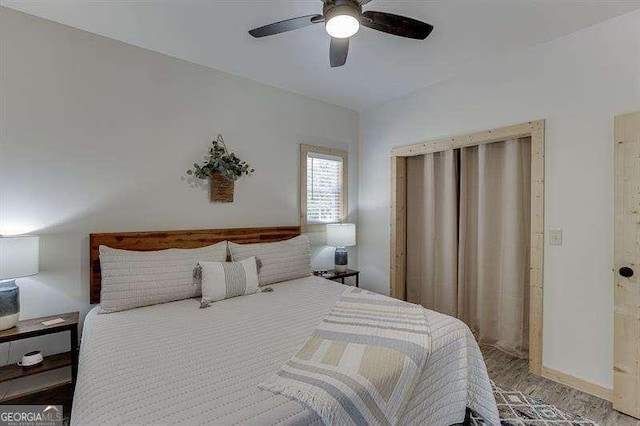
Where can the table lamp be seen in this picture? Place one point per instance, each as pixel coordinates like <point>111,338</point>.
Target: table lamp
<point>19,257</point>
<point>340,236</point>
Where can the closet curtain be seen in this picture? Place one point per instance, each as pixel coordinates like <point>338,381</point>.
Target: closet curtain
<point>468,233</point>
<point>432,231</point>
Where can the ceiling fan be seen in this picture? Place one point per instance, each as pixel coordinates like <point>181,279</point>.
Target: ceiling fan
<point>342,19</point>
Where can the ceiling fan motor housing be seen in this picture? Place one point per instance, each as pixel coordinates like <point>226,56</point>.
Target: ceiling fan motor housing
<point>341,7</point>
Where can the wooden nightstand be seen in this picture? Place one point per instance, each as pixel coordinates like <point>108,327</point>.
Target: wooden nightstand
<point>335,276</point>
<point>59,394</point>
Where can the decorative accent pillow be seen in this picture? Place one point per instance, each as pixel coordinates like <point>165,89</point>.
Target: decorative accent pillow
<point>131,279</point>
<point>281,261</point>
<point>222,280</point>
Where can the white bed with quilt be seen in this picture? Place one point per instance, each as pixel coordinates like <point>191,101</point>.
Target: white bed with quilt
<point>175,363</point>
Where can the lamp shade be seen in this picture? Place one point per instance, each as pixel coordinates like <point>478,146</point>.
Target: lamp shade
<point>341,235</point>
<point>19,256</point>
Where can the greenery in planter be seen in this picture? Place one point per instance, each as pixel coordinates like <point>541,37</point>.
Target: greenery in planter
<point>219,160</point>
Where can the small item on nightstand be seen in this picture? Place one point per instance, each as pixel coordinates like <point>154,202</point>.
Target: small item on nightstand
<point>52,322</point>
<point>31,359</point>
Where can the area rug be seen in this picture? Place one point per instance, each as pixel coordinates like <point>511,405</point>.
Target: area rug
<point>516,408</point>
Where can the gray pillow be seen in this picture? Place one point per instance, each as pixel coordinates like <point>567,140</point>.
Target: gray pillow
<point>281,261</point>
<point>131,279</point>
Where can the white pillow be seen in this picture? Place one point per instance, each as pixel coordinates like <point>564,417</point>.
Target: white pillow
<point>222,280</point>
<point>280,261</point>
<point>131,279</point>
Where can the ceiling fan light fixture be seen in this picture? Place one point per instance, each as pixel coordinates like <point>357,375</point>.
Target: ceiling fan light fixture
<point>342,26</point>
<point>342,19</point>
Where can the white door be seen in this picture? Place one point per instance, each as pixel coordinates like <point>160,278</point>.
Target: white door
<point>626,362</point>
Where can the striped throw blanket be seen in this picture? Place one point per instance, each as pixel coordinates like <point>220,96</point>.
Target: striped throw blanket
<point>361,363</point>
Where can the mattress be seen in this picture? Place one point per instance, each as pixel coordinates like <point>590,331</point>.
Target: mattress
<point>177,364</point>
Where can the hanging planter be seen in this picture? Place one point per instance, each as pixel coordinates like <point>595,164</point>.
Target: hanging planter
<point>221,188</point>
<point>222,169</point>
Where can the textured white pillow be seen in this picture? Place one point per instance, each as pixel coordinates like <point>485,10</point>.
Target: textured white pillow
<point>131,279</point>
<point>281,261</point>
<point>222,280</point>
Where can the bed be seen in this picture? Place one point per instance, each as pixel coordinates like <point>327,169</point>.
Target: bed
<point>173,363</point>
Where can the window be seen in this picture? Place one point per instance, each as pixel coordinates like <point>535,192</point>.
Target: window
<point>323,189</point>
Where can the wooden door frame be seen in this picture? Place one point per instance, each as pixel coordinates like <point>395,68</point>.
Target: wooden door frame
<point>533,129</point>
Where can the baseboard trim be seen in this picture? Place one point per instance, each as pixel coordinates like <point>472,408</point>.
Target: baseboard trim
<point>577,383</point>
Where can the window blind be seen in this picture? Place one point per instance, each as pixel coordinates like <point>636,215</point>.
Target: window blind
<point>324,188</point>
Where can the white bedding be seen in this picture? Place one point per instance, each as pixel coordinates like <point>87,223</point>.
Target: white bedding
<point>177,364</point>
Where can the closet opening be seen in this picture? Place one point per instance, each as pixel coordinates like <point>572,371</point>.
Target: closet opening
<point>467,233</point>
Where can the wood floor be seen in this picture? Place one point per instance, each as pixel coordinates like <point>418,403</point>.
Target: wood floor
<point>510,372</point>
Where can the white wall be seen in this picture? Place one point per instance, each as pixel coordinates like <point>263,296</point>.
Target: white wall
<point>578,83</point>
<point>96,136</point>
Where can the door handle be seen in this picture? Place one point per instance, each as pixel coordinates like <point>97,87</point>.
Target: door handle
<point>626,272</point>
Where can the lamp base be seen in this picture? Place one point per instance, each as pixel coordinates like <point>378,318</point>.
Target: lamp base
<point>341,259</point>
<point>9,304</point>
<point>9,321</point>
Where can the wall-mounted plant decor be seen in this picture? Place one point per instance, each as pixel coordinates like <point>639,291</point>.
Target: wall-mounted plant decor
<point>222,169</point>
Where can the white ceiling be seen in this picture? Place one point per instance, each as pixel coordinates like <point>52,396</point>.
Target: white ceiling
<point>380,67</point>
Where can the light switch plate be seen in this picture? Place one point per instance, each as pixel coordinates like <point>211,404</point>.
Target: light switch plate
<point>555,237</point>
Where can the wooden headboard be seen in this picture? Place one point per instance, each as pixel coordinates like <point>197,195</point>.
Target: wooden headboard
<point>160,240</point>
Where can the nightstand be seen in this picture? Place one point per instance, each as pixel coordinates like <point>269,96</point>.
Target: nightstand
<point>59,394</point>
<point>335,276</point>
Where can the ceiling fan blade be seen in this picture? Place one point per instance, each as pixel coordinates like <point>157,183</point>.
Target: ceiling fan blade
<point>362,2</point>
<point>396,25</point>
<point>338,51</point>
<point>286,25</point>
